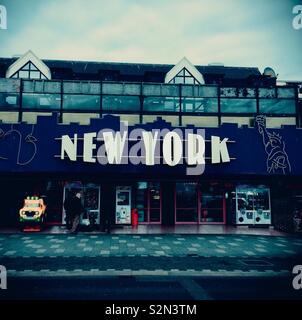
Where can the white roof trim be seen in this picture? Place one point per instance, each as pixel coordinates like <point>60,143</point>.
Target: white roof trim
<point>28,56</point>
<point>184,63</point>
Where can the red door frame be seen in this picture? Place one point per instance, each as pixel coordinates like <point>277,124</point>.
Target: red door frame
<point>199,208</point>
<point>149,208</point>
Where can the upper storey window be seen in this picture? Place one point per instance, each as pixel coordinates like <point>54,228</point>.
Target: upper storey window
<point>29,71</point>
<point>184,72</point>
<point>29,66</point>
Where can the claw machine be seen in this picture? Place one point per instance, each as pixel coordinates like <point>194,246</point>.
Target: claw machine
<point>252,206</point>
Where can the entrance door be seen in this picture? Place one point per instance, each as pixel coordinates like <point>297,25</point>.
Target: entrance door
<point>253,205</point>
<point>90,200</point>
<point>123,205</point>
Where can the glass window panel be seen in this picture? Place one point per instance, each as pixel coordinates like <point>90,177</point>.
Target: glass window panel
<point>9,117</point>
<point>187,73</point>
<point>16,75</point>
<point>161,104</point>
<point>24,74</point>
<point>174,120</point>
<point>282,106</point>
<point>33,67</point>
<point>179,80</point>
<point>81,102</point>
<point>209,215</point>
<point>41,101</point>
<point>228,92</point>
<point>9,100</point>
<point>186,215</point>
<point>43,77</point>
<point>277,122</point>
<point>189,80</point>
<point>186,195</point>
<point>181,73</point>
<point>247,93</point>
<point>26,67</point>
<point>286,93</point>
<point>35,75</point>
<point>267,93</point>
<point>126,103</point>
<point>199,105</point>
<point>142,215</point>
<point>81,118</point>
<point>238,105</point>
<point>200,121</point>
<point>31,117</point>
<point>249,121</point>
<point>154,189</point>
<point>154,215</point>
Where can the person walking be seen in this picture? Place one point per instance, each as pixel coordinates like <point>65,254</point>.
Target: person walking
<point>68,210</point>
<point>77,210</point>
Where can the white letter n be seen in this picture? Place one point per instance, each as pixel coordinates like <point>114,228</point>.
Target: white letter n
<point>69,147</point>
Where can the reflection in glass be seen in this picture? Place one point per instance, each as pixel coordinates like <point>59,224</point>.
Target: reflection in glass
<point>186,202</point>
<point>41,101</point>
<point>199,105</point>
<point>238,105</point>
<point>81,102</point>
<point>281,106</point>
<point>161,104</point>
<point>125,103</point>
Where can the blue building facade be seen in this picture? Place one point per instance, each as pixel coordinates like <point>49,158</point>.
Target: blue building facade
<point>53,115</point>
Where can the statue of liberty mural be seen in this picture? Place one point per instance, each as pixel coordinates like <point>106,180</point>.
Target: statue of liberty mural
<point>277,158</point>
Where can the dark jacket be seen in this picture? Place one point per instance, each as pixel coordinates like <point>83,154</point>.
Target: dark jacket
<point>73,206</point>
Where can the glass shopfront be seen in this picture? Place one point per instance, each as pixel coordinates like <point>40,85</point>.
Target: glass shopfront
<point>199,203</point>
<point>148,202</point>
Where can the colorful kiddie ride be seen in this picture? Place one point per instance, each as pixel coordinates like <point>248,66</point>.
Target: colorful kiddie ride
<point>33,214</point>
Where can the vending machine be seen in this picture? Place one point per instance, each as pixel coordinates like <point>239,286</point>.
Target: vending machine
<point>252,206</point>
<point>123,205</point>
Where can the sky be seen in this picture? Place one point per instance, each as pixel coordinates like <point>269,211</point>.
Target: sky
<point>247,33</point>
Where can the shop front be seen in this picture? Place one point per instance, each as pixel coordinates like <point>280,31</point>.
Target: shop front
<point>226,176</point>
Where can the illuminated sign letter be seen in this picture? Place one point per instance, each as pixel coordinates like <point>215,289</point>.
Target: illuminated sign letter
<point>150,144</point>
<point>172,158</point>
<point>196,148</point>
<point>89,146</point>
<point>114,146</point>
<point>219,148</point>
<point>70,147</point>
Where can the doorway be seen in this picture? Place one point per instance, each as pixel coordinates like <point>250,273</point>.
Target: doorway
<point>90,201</point>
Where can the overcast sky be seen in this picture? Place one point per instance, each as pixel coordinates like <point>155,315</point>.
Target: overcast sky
<point>233,32</point>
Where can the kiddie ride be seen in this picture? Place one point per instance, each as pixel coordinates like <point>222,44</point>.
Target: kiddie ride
<point>32,215</point>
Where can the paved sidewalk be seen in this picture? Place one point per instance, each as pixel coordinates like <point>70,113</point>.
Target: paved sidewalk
<point>64,245</point>
<point>83,254</point>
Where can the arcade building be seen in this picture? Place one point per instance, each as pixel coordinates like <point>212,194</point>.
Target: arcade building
<point>238,129</point>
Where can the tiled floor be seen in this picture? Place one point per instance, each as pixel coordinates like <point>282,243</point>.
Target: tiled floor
<point>178,229</point>
<point>62,245</point>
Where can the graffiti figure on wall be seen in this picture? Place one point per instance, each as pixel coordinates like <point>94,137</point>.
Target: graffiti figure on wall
<point>277,158</point>
<point>26,147</point>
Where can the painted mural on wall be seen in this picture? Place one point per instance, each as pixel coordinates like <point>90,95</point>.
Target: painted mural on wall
<point>261,151</point>
<point>23,142</point>
<point>277,158</point>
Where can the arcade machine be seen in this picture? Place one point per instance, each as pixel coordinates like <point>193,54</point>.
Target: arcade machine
<point>252,206</point>
<point>33,214</point>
